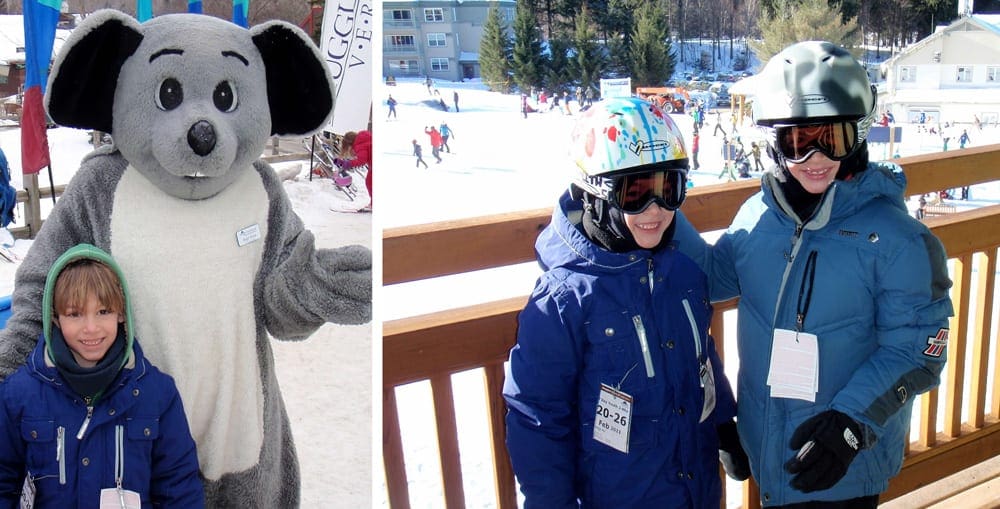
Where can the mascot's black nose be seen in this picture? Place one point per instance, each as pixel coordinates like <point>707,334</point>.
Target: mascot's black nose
<point>201,138</point>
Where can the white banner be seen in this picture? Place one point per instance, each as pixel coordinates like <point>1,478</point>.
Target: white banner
<point>620,87</point>
<point>346,45</point>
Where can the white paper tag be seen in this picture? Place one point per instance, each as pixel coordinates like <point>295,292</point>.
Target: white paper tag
<point>28,493</point>
<point>247,235</point>
<point>794,370</point>
<point>613,418</point>
<point>114,498</point>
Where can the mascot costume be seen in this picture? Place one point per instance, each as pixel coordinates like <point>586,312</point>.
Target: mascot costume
<point>203,230</point>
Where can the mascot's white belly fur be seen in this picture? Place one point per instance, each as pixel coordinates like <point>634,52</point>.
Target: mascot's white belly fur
<point>188,312</point>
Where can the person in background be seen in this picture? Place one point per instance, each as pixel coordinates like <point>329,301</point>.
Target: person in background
<point>695,142</point>
<point>359,145</point>
<point>446,134</point>
<point>392,107</point>
<point>419,153</point>
<point>755,152</point>
<point>454,98</point>
<point>616,396</point>
<point>88,421</point>
<point>844,303</point>
<point>435,137</point>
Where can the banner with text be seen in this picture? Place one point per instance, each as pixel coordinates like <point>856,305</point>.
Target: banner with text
<point>620,87</point>
<point>346,45</point>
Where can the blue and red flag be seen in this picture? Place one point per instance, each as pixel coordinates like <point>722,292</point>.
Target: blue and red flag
<point>40,20</point>
<point>143,10</point>
<point>240,9</point>
<point>194,6</point>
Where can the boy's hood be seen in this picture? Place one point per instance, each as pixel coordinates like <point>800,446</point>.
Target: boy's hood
<point>78,252</point>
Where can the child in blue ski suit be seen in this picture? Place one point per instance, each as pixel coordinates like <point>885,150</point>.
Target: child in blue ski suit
<point>616,396</point>
<point>88,419</point>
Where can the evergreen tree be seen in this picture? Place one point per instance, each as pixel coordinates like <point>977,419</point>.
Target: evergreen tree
<point>494,52</point>
<point>804,20</point>
<point>651,56</point>
<point>589,58</point>
<point>528,63</point>
<point>557,68</point>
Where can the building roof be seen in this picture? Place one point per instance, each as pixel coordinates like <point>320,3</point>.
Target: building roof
<point>988,22</point>
<point>12,38</point>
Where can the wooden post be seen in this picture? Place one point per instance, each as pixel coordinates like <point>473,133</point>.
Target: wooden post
<point>32,211</point>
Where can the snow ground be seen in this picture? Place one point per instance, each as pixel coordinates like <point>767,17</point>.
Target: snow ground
<point>502,162</point>
<point>330,370</point>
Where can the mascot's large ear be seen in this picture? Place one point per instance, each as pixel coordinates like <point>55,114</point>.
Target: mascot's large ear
<point>299,89</point>
<point>81,90</point>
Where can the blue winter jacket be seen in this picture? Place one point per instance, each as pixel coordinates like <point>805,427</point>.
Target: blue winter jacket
<point>635,321</point>
<point>875,293</point>
<point>41,419</point>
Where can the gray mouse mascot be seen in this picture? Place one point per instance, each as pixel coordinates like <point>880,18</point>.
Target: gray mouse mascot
<point>216,259</point>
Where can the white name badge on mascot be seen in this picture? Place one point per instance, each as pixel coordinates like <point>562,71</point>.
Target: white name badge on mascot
<point>613,419</point>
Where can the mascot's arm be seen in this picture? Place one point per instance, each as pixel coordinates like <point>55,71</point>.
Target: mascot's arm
<point>81,215</point>
<point>305,287</point>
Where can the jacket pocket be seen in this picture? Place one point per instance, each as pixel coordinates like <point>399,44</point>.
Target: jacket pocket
<point>140,435</point>
<point>41,450</point>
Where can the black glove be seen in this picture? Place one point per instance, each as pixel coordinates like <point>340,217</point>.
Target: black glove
<point>826,445</point>
<point>731,453</point>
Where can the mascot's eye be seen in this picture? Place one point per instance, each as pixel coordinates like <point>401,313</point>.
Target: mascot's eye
<point>170,95</point>
<point>224,97</point>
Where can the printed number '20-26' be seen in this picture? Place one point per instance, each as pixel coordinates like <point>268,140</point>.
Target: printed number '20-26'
<point>617,417</point>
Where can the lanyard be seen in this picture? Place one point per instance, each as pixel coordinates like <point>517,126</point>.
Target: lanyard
<point>805,291</point>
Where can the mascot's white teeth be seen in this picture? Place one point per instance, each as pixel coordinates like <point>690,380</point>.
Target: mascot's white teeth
<point>196,175</point>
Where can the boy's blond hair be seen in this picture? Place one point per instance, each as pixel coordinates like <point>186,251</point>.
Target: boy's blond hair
<point>82,277</point>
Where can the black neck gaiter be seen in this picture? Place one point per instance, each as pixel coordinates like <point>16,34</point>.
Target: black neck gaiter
<point>87,382</point>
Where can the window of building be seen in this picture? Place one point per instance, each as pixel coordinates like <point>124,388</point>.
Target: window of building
<point>964,74</point>
<point>907,74</point>
<point>434,14</point>
<point>993,74</point>
<point>436,40</point>
<point>439,64</point>
<point>401,15</point>
<point>403,67</point>
<point>400,42</point>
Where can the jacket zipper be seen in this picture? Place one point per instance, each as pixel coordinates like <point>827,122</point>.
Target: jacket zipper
<point>697,340</point>
<point>86,421</point>
<point>120,462</point>
<point>640,330</point>
<point>790,260</point>
<point>61,453</point>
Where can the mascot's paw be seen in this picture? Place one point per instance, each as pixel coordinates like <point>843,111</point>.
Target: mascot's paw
<point>350,280</point>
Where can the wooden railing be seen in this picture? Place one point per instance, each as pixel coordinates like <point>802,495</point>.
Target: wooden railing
<point>434,346</point>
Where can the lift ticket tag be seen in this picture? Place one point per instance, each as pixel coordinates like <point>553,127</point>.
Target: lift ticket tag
<point>613,419</point>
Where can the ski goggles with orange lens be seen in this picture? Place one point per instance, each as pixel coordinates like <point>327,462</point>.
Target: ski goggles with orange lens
<point>636,192</point>
<point>835,140</point>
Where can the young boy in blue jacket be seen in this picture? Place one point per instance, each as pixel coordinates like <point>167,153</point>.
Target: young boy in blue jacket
<point>844,306</point>
<point>88,421</point>
<point>616,395</point>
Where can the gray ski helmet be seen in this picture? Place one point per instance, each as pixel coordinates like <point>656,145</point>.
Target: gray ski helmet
<point>813,81</point>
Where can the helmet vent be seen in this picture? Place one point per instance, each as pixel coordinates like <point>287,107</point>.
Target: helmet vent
<point>827,58</point>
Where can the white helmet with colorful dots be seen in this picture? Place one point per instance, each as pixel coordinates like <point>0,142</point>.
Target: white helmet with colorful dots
<point>630,153</point>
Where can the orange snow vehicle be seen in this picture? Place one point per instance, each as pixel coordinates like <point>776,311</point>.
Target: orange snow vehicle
<point>669,99</point>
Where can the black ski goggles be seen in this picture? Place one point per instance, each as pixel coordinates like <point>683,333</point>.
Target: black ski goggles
<point>836,140</point>
<point>634,193</point>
